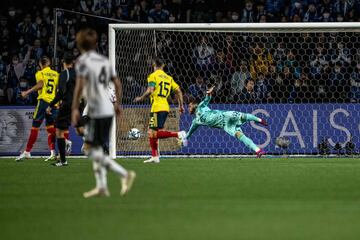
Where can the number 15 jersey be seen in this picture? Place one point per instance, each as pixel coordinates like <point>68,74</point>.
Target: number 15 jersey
<point>50,79</point>
<point>163,86</point>
<point>97,71</point>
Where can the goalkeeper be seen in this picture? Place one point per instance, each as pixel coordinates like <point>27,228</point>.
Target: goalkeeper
<point>229,121</point>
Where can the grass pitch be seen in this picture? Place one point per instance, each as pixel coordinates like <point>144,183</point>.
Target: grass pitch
<point>181,199</point>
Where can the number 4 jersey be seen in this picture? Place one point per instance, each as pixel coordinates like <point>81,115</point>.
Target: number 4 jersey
<point>163,86</point>
<point>50,79</point>
<point>97,71</point>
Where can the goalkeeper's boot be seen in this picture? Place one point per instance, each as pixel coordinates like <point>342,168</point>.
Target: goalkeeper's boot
<point>182,138</point>
<point>127,182</point>
<point>23,155</point>
<point>68,146</point>
<point>259,153</point>
<point>96,192</point>
<point>153,160</point>
<point>263,122</point>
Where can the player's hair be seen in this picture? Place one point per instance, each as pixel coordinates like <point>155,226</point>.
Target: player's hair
<point>45,61</point>
<point>158,62</point>
<point>68,58</point>
<point>86,39</point>
<point>194,100</point>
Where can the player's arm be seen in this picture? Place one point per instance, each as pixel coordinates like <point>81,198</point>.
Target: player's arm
<point>179,95</point>
<point>192,129</point>
<point>118,93</point>
<point>39,85</point>
<point>75,114</point>
<point>150,89</point>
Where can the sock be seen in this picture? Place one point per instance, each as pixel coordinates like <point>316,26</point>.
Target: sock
<point>66,135</point>
<point>250,117</point>
<point>51,137</point>
<point>166,134</point>
<point>61,147</point>
<point>154,146</point>
<point>97,156</point>
<point>249,143</point>
<point>114,166</point>
<point>32,139</point>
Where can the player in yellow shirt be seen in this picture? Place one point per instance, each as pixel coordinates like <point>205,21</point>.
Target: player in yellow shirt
<point>160,86</point>
<point>46,85</point>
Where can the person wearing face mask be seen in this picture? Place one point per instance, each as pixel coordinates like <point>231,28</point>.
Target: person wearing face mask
<point>14,71</point>
<point>23,86</point>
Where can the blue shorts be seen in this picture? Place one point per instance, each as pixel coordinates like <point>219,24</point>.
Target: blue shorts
<point>40,114</point>
<point>157,120</point>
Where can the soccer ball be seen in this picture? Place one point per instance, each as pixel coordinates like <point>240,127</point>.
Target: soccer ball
<point>134,134</point>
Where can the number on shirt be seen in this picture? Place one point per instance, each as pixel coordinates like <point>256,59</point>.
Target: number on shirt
<point>102,76</point>
<point>50,86</point>
<point>164,89</point>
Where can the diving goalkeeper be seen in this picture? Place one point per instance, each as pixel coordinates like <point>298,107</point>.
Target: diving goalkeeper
<point>229,121</point>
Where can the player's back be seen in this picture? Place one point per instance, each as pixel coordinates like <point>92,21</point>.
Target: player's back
<point>51,80</point>
<point>163,86</point>
<point>98,72</point>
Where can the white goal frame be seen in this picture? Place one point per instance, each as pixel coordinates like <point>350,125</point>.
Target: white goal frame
<point>223,27</point>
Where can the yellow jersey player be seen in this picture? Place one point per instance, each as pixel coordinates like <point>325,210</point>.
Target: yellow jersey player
<point>46,85</point>
<point>160,86</point>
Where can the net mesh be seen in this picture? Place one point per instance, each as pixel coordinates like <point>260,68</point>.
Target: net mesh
<point>305,83</point>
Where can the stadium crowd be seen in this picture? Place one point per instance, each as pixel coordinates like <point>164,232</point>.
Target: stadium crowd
<point>276,73</point>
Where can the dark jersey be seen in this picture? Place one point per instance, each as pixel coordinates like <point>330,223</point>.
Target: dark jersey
<point>66,88</point>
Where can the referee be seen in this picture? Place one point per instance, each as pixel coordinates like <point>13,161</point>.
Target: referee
<point>64,96</point>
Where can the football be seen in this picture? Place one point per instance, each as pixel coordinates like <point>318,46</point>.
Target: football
<point>134,134</point>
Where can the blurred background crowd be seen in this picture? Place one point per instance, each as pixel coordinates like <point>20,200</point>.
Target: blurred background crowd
<point>281,72</point>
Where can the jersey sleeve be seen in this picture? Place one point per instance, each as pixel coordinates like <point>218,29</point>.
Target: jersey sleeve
<point>151,81</point>
<point>205,102</point>
<point>39,77</point>
<point>81,69</point>
<point>192,129</point>
<point>174,85</point>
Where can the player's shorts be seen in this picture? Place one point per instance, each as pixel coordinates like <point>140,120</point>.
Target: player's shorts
<point>40,114</point>
<point>233,121</point>
<point>157,120</point>
<point>63,119</point>
<point>97,131</point>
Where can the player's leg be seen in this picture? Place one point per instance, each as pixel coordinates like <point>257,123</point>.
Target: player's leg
<point>234,129</point>
<point>247,117</point>
<point>62,126</point>
<point>161,133</point>
<point>38,117</point>
<point>50,128</point>
<point>153,140</point>
<point>68,142</point>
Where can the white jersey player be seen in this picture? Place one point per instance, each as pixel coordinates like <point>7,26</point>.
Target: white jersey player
<point>94,74</point>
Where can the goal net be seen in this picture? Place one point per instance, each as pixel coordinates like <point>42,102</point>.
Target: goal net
<point>303,78</point>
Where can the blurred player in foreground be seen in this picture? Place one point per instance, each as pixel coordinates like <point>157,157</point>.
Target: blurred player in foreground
<point>229,121</point>
<point>160,86</point>
<point>64,94</point>
<point>46,85</point>
<point>94,72</point>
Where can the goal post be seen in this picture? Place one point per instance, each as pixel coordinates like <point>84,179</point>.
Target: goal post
<point>301,77</point>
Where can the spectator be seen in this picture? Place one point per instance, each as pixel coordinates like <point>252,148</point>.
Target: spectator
<point>274,7</point>
<point>198,89</point>
<point>278,90</point>
<point>22,86</point>
<point>261,87</point>
<point>2,79</point>
<point>37,50</point>
<point>158,14</point>
<point>261,60</point>
<point>343,7</point>
<point>248,14</point>
<point>296,10</point>
<point>260,11</point>
<point>355,84</point>
<point>26,29</point>
<point>238,80</point>
<point>311,14</point>
<point>235,17</point>
<point>87,6</point>
<point>139,13</point>
<point>248,94</point>
<point>338,83</point>
<point>203,54</point>
<point>326,6</point>
<point>103,44</point>
<point>120,15</point>
<point>343,54</point>
<point>14,71</point>
<point>326,17</point>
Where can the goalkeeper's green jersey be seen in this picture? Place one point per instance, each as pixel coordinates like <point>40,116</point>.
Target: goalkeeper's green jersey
<point>204,116</point>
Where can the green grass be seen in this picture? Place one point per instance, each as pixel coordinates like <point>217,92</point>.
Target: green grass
<point>183,199</point>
